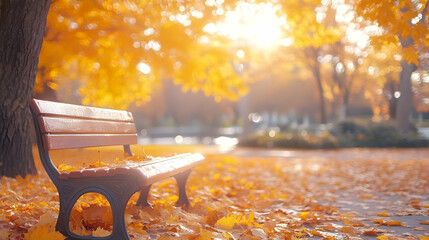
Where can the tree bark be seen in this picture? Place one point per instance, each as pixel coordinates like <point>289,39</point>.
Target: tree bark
<point>314,66</point>
<point>22,27</point>
<point>405,101</point>
<point>391,99</point>
<point>318,78</point>
<point>243,109</point>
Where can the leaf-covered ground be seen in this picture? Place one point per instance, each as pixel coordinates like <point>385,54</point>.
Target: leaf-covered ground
<point>246,194</point>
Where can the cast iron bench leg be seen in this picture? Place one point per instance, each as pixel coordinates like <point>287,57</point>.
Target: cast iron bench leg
<point>181,179</point>
<point>118,210</point>
<point>62,222</point>
<point>144,192</point>
<point>117,195</point>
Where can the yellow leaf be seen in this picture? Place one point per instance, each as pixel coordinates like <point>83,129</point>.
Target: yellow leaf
<point>226,223</point>
<point>138,227</point>
<point>394,223</point>
<point>45,232</point>
<point>100,232</point>
<point>65,168</point>
<point>304,215</point>
<point>383,214</point>
<point>423,237</point>
<point>216,176</point>
<point>410,55</point>
<point>382,237</point>
<point>205,234</point>
<point>97,164</point>
<point>228,235</point>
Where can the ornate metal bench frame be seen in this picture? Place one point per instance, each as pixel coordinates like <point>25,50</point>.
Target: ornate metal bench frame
<point>116,184</point>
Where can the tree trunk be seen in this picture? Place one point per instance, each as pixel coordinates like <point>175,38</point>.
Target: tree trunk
<point>22,26</point>
<point>318,78</point>
<point>344,109</point>
<point>243,109</point>
<point>405,101</point>
<point>391,99</point>
<point>342,112</point>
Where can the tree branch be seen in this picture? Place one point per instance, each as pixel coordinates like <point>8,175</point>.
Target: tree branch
<point>424,13</point>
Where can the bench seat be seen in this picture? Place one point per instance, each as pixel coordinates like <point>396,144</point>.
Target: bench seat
<point>147,172</point>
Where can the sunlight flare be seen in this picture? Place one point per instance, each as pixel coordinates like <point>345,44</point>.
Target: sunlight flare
<point>257,24</point>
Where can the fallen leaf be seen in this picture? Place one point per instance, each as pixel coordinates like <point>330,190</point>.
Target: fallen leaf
<point>394,223</point>
<point>371,232</point>
<point>205,234</point>
<point>382,237</point>
<point>383,214</point>
<point>258,232</point>
<point>45,232</point>
<point>100,232</point>
<point>226,223</point>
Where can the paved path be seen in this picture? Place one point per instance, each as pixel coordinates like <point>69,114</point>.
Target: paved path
<point>402,207</point>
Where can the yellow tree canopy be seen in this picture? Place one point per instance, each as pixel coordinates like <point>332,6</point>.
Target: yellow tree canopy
<point>304,25</point>
<point>120,50</point>
<point>395,21</point>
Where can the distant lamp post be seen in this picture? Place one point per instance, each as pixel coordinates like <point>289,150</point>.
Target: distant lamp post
<point>243,107</point>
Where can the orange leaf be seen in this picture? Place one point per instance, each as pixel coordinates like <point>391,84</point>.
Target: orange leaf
<point>382,237</point>
<point>410,55</point>
<point>370,232</point>
<point>394,223</point>
<point>65,168</point>
<point>100,232</point>
<point>226,223</point>
<point>383,214</point>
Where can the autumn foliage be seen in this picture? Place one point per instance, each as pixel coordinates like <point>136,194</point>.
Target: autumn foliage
<point>241,196</point>
<point>116,53</point>
<point>120,50</point>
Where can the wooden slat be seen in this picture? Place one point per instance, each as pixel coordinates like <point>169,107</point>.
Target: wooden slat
<point>65,141</point>
<point>148,172</point>
<point>151,173</point>
<point>72,125</point>
<point>77,111</point>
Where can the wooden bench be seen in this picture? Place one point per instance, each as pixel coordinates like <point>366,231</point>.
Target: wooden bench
<point>65,126</point>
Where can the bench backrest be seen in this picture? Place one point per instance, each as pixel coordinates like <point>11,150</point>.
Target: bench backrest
<point>74,126</point>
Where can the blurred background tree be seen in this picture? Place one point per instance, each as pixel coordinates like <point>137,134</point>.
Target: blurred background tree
<point>119,51</point>
<point>405,24</point>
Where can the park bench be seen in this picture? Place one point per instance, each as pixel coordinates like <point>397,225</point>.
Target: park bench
<point>66,126</point>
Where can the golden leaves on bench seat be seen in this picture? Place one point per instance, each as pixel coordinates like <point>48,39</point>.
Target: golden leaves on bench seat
<point>65,168</point>
<point>118,162</point>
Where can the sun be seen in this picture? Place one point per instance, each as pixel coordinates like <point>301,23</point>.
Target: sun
<point>257,24</point>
